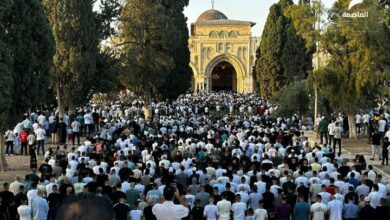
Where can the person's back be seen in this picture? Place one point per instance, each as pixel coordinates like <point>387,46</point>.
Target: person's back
<point>168,210</point>
<point>336,209</point>
<point>224,207</point>
<point>301,209</point>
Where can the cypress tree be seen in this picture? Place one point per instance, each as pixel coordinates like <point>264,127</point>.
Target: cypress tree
<point>269,69</point>
<point>177,81</point>
<point>6,84</point>
<point>282,56</point>
<point>74,28</point>
<point>32,51</point>
<point>147,33</point>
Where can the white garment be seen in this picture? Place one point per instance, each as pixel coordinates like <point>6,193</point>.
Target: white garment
<point>169,211</point>
<point>211,212</point>
<point>318,209</point>
<point>25,212</point>
<point>375,198</point>
<point>135,214</point>
<point>336,209</point>
<point>224,207</point>
<point>239,209</point>
<point>260,214</point>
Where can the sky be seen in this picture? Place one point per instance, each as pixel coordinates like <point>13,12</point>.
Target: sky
<point>246,10</point>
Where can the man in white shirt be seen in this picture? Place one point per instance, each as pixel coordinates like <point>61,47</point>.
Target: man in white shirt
<point>318,209</point>
<point>335,209</point>
<point>261,213</point>
<point>211,211</point>
<point>40,133</point>
<point>375,196</point>
<point>76,131</point>
<point>224,208</point>
<point>168,210</point>
<point>14,187</point>
<point>239,209</point>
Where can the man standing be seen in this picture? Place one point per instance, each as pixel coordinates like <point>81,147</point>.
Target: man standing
<point>302,209</point>
<point>261,213</point>
<point>23,141</point>
<point>239,209</point>
<point>318,209</point>
<point>385,151</point>
<point>39,206</point>
<point>76,131</point>
<point>168,210</point>
<point>324,130</point>
<point>376,144</point>
<point>9,141</point>
<point>41,133</point>
<point>211,211</point>
<point>224,207</point>
<point>337,137</point>
<point>350,210</point>
<point>335,209</point>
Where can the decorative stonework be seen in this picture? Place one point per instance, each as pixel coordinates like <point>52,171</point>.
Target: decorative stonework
<point>215,39</point>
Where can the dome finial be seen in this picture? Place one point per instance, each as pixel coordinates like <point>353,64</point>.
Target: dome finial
<point>212,4</point>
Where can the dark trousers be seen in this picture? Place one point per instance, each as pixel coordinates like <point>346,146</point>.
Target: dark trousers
<point>41,145</point>
<point>324,135</point>
<point>91,129</point>
<point>9,147</point>
<point>23,146</point>
<point>31,148</point>
<point>76,135</point>
<point>335,142</point>
<point>385,156</point>
<point>331,141</point>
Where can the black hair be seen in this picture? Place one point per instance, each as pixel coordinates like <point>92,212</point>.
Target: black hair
<point>85,206</point>
<point>169,191</point>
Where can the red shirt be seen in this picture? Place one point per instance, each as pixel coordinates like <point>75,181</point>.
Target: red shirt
<point>23,136</point>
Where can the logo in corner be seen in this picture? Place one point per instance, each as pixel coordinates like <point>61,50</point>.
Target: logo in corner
<point>353,3</point>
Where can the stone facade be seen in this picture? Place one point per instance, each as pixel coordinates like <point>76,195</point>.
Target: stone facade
<point>214,40</point>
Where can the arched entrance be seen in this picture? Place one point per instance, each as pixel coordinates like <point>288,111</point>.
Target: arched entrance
<point>223,77</point>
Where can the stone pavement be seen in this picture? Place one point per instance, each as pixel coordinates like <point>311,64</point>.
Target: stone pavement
<point>351,148</point>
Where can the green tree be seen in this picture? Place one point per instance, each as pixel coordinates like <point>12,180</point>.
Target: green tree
<point>146,55</point>
<point>74,28</point>
<point>282,57</point>
<point>293,99</point>
<point>358,51</point>
<point>177,81</point>
<point>25,59</point>
<point>32,50</point>
<point>6,83</point>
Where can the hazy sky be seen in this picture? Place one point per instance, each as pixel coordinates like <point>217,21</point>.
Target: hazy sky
<point>246,10</point>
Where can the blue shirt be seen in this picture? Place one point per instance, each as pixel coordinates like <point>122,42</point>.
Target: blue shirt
<point>350,210</point>
<point>302,210</point>
<point>40,208</point>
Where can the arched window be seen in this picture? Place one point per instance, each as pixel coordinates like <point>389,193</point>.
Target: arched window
<point>223,35</point>
<point>244,51</point>
<point>233,34</point>
<point>227,48</point>
<point>239,53</point>
<point>213,34</point>
<point>220,48</point>
<point>208,53</point>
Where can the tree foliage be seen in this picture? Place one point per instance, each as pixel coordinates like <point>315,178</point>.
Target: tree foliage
<point>25,59</point>
<point>32,47</point>
<point>282,57</point>
<point>177,81</point>
<point>74,28</point>
<point>358,51</point>
<point>293,99</point>
<point>147,34</point>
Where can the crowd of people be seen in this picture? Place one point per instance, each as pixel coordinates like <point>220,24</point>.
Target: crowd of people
<point>210,156</point>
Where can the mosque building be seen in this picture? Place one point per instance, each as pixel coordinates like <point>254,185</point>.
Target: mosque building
<point>223,53</point>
